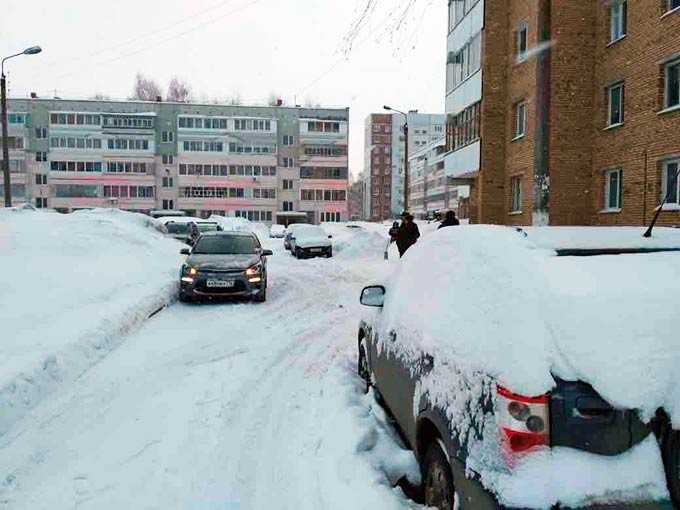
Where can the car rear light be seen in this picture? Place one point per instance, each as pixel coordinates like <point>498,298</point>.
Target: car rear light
<point>524,422</point>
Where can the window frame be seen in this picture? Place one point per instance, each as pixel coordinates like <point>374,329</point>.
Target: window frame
<point>516,194</point>
<point>622,18</point>
<point>665,181</point>
<point>622,103</point>
<point>523,106</point>
<point>522,28</point>
<point>607,205</point>
<point>675,63</point>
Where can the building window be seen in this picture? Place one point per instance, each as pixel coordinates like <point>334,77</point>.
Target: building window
<point>41,132</point>
<point>41,156</point>
<point>671,183</point>
<point>287,162</point>
<point>672,72</point>
<point>288,140</point>
<point>41,203</point>
<point>520,119</point>
<point>516,194</point>
<point>40,179</point>
<point>167,182</point>
<point>612,189</point>
<point>522,40</point>
<point>615,101</point>
<point>672,5</point>
<point>287,206</point>
<point>168,204</point>
<point>287,184</point>
<point>168,159</point>
<point>618,19</point>
<point>167,137</point>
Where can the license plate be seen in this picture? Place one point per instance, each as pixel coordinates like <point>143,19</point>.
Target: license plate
<point>315,250</point>
<point>220,284</point>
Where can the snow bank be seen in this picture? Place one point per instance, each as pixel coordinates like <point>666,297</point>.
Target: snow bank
<point>501,307</point>
<point>351,242</point>
<point>72,286</point>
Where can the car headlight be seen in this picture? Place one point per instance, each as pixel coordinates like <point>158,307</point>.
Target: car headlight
<point>254,270</point>
<point>189,271</point>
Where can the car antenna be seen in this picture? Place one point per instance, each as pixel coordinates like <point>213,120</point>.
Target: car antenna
<point>648,233</point>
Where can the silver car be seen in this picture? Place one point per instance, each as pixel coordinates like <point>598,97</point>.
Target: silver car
<point>224,264</point>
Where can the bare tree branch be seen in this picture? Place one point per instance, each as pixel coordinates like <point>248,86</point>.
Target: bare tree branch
<point>179,91</point>
<point>145,89</point>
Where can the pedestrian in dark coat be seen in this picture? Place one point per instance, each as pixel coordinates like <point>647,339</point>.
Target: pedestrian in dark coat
<point>450,220</point>
<point>394,231</point>
<point>408,234</point>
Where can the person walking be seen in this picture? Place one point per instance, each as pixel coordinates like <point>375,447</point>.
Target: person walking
<point>394,231</point>
<point>450,220</point>
<point>407,235</point>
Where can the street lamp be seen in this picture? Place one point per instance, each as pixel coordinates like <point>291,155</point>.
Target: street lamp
<point>3,99</point>
<point>406,165</point>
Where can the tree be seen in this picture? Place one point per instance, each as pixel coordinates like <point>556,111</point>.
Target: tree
<point>145,89</point>
<point>178,91</point>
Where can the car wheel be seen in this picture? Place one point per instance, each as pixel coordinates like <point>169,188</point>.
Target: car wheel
<point>671,458</point>
<point>183,298</point>
<point>298,253</point>
<point>362,366</point>
<point>438,488</point>
<point>329,254</point>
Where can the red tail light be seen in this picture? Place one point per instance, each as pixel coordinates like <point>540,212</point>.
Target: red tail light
<point>524,422</point>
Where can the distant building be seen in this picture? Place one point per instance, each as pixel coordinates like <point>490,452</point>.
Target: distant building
<point>355,200</point>
<point>564,112</point>
<point>266,164</point>
<point>378,167</point>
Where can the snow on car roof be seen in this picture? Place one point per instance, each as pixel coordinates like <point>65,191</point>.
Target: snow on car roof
<point>498,303</point>
<point>588,238</point>
<point>180,219</point>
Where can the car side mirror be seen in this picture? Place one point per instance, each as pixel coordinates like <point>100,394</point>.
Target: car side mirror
<point>330,237</point>
<point>292,238</point>
<point>185,251</point>
<point>267,253</point>
<point>373,296</point>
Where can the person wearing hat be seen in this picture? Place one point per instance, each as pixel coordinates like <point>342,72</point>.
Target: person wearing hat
<point>407,235</point>
<point>450,220</point>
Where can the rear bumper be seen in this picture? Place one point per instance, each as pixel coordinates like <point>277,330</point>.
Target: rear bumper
<point>662,505</point>
<point>317,251</point>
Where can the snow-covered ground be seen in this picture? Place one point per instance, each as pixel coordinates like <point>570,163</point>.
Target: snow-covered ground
<point>219,406</point>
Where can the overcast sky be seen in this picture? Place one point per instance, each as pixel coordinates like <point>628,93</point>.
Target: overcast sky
<point>225,47</point>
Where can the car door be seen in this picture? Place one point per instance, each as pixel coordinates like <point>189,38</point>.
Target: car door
<point>396,378</point>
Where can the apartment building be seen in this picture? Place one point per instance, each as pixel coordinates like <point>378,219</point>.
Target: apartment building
<point>266,164</point>
<point>424,128</point>
<point>564,112</point>
<point>378,167</point>
<point>430,190</point>
<point>355,200</point>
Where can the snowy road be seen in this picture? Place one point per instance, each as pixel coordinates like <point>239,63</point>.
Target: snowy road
<point>220,406</point>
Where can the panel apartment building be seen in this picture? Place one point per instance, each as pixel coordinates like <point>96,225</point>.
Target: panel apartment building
<point>267,164</point>
<point>385,144</point>
<point>564,112</point>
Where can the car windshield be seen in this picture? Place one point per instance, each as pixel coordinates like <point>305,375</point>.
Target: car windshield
<point>177,228</point>
<point>207,227</point>
<point>310,231</point>
<point>225,245</point>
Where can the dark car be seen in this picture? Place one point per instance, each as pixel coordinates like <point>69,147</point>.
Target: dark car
<point>224,264</point>
<point>452,410</point>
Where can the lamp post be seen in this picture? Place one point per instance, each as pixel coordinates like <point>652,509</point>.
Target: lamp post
<point>406,165</point>
<point>3,99</point>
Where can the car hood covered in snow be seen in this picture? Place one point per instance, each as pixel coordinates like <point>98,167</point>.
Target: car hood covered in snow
<point>510,308</point>
<point>222,262</point>
<point>312,242</point>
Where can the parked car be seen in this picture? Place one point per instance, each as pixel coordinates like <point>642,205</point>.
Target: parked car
<point>180,227</point>
<point>311,241</point>
<point>224,264</point>
<point>277,231</point>
<point>289,233</point>
<point>491,347</point>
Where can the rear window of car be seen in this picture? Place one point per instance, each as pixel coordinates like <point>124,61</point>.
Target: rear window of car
<point>207,227</point>
<point>225,245</point>
<point>310,231</point>
<point>177,228</point>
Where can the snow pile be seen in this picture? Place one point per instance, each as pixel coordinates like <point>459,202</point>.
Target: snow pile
<point>350,242</point>
<point>502,308</point>
<point>72,286</point>
<point>242,225</point>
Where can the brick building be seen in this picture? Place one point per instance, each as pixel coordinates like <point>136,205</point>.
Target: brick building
<point>565,112</point>
<point>378,167</point>
<point>355,200</point>
<point>266,164</point>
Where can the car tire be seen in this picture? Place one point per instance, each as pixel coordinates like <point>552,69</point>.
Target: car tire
<point>362,367</point>
<point>298,253</point>
<point>183,298</point>
<point>438,489</point>
<point>329,254</point>
<point>671,459</point>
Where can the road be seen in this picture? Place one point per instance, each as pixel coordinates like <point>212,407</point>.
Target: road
<point>218,406</point>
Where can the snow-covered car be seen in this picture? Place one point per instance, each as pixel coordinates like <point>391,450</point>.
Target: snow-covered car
<point>180,227</point>
<point>311,241</point>
<point>277,231</point>
<point>533,368</point>
<point>224,264</point>
<point>290,230</point>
